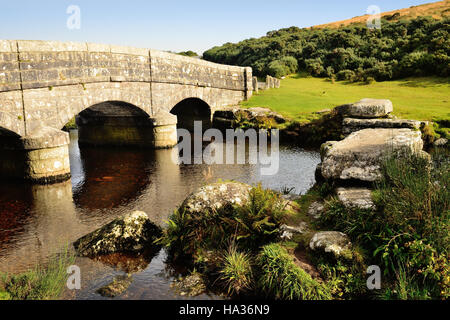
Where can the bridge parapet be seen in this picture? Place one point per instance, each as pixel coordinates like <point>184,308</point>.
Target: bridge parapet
<point>29,64</point>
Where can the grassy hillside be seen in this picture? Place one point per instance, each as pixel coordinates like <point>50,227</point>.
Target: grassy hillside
<point>437,10</point>
<point>414,98</point>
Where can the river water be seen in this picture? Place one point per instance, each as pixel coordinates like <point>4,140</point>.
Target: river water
<point>109,182</point>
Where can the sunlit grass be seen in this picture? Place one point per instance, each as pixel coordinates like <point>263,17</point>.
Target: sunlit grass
<point>413,98</point>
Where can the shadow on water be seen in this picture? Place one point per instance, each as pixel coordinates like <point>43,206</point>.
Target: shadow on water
<point>107,183</point>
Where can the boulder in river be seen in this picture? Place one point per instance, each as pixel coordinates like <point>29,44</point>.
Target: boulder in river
<point>118,286</point>
<point>216,196</point>
<point>360,155</point>
<point>330,242</point>
<point>131,233</point>
<point>193,285</point>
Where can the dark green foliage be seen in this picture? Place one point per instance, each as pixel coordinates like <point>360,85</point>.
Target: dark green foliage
<point>400,49</point>
<point>345,278</point>
<point>280,278</point>
<point>189,53</point>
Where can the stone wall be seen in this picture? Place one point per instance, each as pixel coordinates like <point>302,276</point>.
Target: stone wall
<point>46,83</point>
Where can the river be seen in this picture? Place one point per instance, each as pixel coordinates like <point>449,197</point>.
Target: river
<point>109,182</point>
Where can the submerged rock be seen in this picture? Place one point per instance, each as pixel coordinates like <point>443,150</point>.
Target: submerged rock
<point>192,285</point>
<point>360,155</point>
<point>330,242</point>
<point>119,285</point>
<point>130,233</point>
<point>367,108</point>
<point>128,262</point>
<point>216,196</point>
<point>360,198</point>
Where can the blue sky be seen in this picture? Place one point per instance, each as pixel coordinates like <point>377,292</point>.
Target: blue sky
<point>171,24</point>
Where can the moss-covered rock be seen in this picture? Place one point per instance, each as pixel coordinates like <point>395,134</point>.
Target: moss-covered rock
<point>216,196</point>
<point>193,285</point>
<point>131,233</point>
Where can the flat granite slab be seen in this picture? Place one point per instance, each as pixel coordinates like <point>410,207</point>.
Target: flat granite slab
<point>367,108</point>
<point>351,125</point>
<point>360,155</point>
<point>360,198</point>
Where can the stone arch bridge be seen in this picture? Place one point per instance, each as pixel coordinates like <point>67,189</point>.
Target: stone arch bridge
<point>120,95</point>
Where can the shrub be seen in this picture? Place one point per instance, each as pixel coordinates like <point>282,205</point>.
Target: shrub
<point>277,69</point>
<point>282,279</point>
<point>345,75</point>
<point>282,67</point>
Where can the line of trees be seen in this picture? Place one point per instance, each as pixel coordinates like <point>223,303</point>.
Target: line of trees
<point>418,47</point>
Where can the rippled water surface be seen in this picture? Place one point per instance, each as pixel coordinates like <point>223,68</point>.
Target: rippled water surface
<point>107,183</point>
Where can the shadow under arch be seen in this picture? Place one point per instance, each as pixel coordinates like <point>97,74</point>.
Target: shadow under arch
<point>114,123</point>
<point>190,110</point>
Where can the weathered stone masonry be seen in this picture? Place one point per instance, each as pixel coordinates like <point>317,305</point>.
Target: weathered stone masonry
<point>44,84</point>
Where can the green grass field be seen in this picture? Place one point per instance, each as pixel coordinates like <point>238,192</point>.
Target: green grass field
<point>413,98</point>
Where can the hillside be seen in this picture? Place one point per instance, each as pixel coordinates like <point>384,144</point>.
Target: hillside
<point>403,48</point>
<point>437,10</point>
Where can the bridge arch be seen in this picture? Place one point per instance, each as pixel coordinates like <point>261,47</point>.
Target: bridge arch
<point>70,101</point>
<point>5,132</point>
<point>11,126</point>
<point>192,109</point>
<point>114,123</point>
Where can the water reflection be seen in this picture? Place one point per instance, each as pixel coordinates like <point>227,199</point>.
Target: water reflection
<point>107,183</point>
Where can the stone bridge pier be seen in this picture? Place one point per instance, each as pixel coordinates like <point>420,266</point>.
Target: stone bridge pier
<point>41,157</point>
<point>120,96</point>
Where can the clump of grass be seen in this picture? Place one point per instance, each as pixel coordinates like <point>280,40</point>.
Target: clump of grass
<point>282,279</point>
<point>237,273</point>
<point>41,283</point>
<point>4,295</point>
